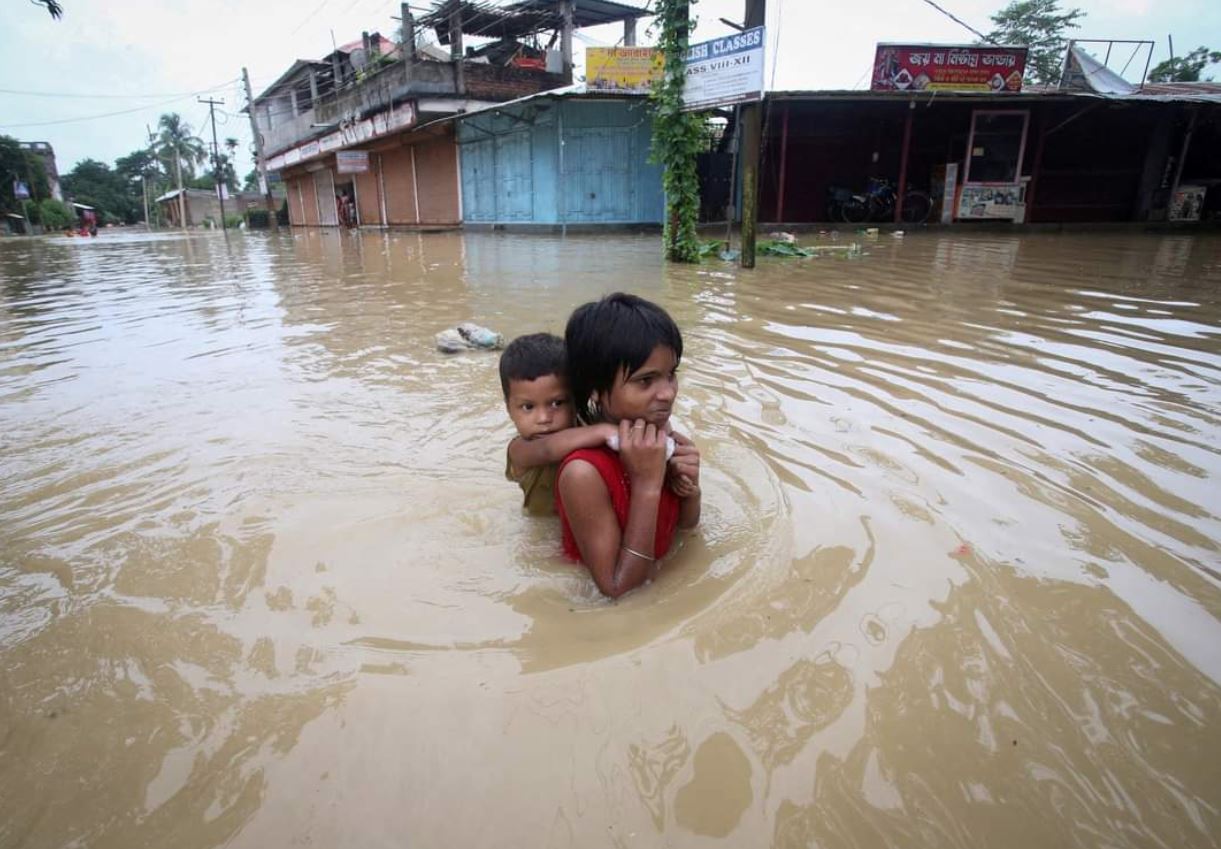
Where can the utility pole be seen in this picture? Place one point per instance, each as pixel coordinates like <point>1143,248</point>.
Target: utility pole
<point>752,119</point>
<point>216,178</point>
<point>260,160</point>
<point>152,153</point>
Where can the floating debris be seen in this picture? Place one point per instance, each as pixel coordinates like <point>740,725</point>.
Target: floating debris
<point>468,336</point>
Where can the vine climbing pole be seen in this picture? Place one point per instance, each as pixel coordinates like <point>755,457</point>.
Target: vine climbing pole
<point>677,135</point>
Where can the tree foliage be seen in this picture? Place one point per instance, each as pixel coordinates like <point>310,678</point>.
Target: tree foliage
<point>52,6</point>
<point>12,167</point>
<point>1185,69</point>
<point>177,141</point>
<point>55,215</point>
<point>115,197</point>
<point>677,135</point>
<point>1041,26</point>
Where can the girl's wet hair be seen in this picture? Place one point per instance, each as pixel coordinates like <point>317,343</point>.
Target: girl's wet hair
<point>531,357</point>
<point>614,335</point>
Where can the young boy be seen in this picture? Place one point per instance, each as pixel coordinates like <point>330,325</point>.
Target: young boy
<point>533,379</point>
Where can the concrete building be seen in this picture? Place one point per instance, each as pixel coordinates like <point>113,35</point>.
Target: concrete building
<point>355,135</point>
<point>560,159</point>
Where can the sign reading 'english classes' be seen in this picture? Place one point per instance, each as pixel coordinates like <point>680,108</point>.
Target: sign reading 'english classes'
<point>725,71</point>
<point>948,67</point>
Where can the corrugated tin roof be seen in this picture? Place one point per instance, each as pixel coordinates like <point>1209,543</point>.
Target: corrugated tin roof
<point>515,20</point>
<point>1152,92</point>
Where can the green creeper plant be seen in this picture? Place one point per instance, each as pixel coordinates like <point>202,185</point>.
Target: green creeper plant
<point>678,136</point>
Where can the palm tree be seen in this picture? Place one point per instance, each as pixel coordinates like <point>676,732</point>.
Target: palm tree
<point>178,145</point>
<point>182,149</point>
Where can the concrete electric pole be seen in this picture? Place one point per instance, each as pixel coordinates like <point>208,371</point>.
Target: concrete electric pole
<point>260,161</point>
<point>216,176</point>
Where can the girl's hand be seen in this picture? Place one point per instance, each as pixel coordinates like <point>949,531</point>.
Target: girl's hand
<point>642,447</point>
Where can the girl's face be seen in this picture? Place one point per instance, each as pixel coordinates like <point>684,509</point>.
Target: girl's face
<point>647,393</point>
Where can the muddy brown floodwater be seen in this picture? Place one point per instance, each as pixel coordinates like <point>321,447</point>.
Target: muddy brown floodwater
<point>262,582</point>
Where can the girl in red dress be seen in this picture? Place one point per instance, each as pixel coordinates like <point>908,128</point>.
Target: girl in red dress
<point>617,511</point>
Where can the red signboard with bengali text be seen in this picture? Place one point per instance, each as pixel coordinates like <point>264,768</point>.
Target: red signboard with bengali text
<point>948,67</point>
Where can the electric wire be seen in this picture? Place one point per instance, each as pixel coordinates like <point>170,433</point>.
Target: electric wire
<point>27,93</point>
<point>959,21</point>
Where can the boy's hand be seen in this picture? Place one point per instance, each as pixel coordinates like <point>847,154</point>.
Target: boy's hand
<point>684,467</point>
<point>606,433</point>
<point>682,486</point>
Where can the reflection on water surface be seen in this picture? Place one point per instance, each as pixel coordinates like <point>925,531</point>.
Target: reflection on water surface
<point>262,581</point>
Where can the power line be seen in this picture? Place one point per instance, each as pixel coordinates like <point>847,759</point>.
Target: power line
<point>114,96</point>
<point>95,117</point>
<point>960,22</point>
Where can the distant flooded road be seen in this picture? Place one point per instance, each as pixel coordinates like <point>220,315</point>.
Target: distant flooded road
<point>262,582</point>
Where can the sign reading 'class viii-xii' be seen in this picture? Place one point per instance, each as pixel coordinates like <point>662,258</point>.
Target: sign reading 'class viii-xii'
<point>948,67</point>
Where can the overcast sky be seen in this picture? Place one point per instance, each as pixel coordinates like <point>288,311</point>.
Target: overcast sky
<point>152,56</point>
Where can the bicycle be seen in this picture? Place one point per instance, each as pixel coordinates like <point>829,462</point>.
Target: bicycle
<point>878,204</point>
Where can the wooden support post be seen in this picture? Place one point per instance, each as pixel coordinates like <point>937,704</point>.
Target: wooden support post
<point>901,188</point>
<point>629,32</point>
<point>1178,170</point>
<point>784,155</point>
<point>566,38</point>
<point>1036,168</point>
<point>456,51</point>
<point>752,120</point>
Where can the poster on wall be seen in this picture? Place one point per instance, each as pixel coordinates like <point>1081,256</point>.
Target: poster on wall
<point>989,202</point>
<point>948,67</point>
<point>630,70</point>
<point>1187,203</point>
<point>725,71</point>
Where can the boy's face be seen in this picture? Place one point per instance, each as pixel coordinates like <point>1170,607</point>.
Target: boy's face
<point>540,406</point>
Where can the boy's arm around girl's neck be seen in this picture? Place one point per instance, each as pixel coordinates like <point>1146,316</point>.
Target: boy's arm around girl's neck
<point>554,447</point>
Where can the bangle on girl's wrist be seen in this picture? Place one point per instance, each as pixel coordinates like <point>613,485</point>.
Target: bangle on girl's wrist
<point>636,553</point>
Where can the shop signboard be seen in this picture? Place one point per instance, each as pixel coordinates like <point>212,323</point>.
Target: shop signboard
<point>989,202</point>
<point>352,161</point>
<point>630,70</point>
<point>21,191</point>
<point>948,67</point>
<point>396,118</point>
<point>725,71</point>
<point>1187,203</point>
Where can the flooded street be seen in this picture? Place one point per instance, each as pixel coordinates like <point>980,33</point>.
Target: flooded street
<point>262,581</point>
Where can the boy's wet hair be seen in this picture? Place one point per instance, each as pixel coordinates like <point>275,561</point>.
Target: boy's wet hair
<point>616,334</point>
<point>531,357</point>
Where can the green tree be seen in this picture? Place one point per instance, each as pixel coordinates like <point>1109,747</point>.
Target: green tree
<point>1041,26</point>
<point>98,185</point>
<point>1185,69</point>
<point>250,183</point>
<point>13,166</point>
<point>55,215</point>
<point>677,136</point>
<point>177,144</point>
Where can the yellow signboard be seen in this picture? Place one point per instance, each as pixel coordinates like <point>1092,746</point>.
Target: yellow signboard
<point>627,69</point>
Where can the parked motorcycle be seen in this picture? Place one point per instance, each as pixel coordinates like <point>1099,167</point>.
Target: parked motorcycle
<point>877,203</point>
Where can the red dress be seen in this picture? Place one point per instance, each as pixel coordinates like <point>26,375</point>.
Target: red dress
<point>610,467</point>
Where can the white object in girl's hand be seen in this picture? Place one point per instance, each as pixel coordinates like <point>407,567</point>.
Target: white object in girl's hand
<point>612,442</point>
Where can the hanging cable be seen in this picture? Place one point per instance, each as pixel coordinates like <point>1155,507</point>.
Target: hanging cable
<point>960,22</point>
<point>26,93</point>
<point>95,117</point>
